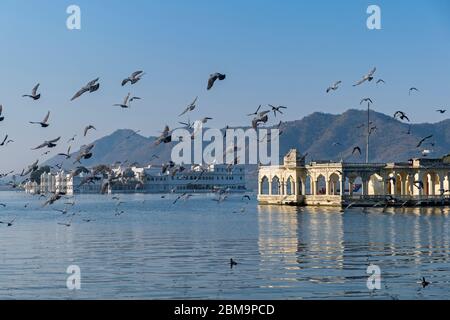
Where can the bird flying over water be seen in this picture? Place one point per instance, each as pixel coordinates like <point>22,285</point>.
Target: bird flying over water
<point>91,86</point>
<point>367,77</point>
<point>381,81</point>
<point>441,111</point>
<point>126,102</point>
<point>1,110</point>
<point>213,78</point>
<point>134,78</point>
<point>34,95</point>
<point>56,196</point>
<point>8,224</point>
<point>44,123</point>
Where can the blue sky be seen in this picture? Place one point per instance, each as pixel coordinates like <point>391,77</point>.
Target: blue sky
<point>278,52</point>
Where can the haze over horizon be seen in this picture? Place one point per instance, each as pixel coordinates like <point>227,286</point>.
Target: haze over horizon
<point>272,53</point>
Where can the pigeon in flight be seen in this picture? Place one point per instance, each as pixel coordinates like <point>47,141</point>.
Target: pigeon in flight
<point>190,107</point>
<point>205,120</point>
<point>334,86</point>
<point>166,136</point>
<point>66,155</point>
<point>4,141</point>
<point>367,77</point>
<point>44,123</point>
<point>255,113</point>
<point>401,115</point>
<point>126,102</point>
<point>91,86</point>
<point>277,109</point>
<point>8,224</point>
<point>366,100</point>
<point>134,78</point>
<point>356,149</point>
<point>413,89</point>
<point>423,140</point>
<point>48,144</point>
<point>89,127</point>
<point>34,95</point>
<point>31,168</point>
<point>213,78</point>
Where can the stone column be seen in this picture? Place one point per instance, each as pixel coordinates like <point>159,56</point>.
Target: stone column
<point>342,185</point>
<point>351,186</point>
<point>432,185</point>
<point>441,186</point>
<point>365,187</point>
<point>393,187</point>
<point>411,184</point>
<point>403,186</point>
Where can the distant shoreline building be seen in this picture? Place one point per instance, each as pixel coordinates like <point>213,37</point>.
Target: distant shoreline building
<point>149,179</point>
<point>417,182</point>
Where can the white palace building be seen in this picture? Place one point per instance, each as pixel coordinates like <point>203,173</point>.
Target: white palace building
<point>196,179</point>
<point>417,182</point>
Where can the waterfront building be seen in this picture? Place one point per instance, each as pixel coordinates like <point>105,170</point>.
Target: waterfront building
<point>149,179</point>
<point>420,181</point>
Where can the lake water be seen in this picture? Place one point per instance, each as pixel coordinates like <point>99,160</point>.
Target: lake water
<point>156,249</point>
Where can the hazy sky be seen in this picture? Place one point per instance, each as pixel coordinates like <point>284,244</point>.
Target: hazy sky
<point>278,52</point>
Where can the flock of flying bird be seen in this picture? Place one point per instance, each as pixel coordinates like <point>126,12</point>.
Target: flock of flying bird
<point>104,173</point>
<point>399,115</point>
<point>86,152</point>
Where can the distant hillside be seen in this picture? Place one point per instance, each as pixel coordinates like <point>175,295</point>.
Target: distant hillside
<point>314,134</point>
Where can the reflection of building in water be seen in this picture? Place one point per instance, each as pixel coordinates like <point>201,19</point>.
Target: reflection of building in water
<point>415,182</point>
<point>321,235</point>
<point>419,234</point>
<point>313,239</point>
<point>278,234</point>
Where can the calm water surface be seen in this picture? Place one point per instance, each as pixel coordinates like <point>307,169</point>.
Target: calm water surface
<point>159,250</point>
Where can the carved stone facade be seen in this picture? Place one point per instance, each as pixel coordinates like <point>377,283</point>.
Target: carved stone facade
<point>416,182</point>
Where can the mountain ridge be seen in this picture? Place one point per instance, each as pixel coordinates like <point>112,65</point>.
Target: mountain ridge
<point>322,136</point>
